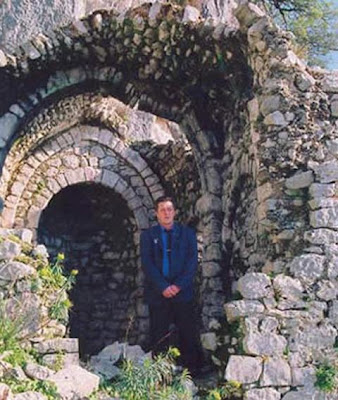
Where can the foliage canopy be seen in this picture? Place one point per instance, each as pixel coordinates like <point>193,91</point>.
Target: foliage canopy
<point>314,24</point>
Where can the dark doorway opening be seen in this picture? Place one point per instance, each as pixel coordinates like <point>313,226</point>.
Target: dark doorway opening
<point>93,226</point>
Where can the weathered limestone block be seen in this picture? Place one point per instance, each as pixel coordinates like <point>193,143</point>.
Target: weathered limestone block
<point>71,161</point>
<point>243,369</point>
<point>242,308</point>
<point>23,234</point>
<point>264,344</point>
<point>209,341</point>
<point>248,14</point>
<point>191,14</point>
<point>287,287</point>
<point>303,376</point>
<point>334,108</point>
<point>330,82</point>
<point>262,394</point>
<point>3,59</point>
<point>30,51</point>
<point>321,236</point>
<point>309,394</point>
<point>327,172</point>
<point>332,145</point>
<point>14,270</point>
<point>333,313</point>
<point>323,203</point>
<point>275,119</point>
<point>276,372</point>
<point>300,180</point>
<point>264,192</point>
<point>327,290</point>
<point>322,190</point>
<point>9,250</point>
<point>75,381</point>
<point>36,371</point>
<point>5,392</point>
<point>313,338</point>
<point>251,324</point>
<point>298,395</point>
<point>286,304</point>
<point>308,267</point>
<point>255,286</point>
<point>40,251</point>
<point>332,268</point>
<point>208,203</point>
<point>54,360</point>
<point>253,109</point>
<point>133,352</point>
<point>324,218</point>
<point>270,104</point>
<point>104,363</point>
<point>8,123</point>
<point>304,81</point>
<point>28,305</point>
<point>269,325</point>
<point>212,253</point>
<point>211,269</point>
<point>57,345</point>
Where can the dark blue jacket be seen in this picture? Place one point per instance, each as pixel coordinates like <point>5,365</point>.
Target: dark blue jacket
<point>183,263</point>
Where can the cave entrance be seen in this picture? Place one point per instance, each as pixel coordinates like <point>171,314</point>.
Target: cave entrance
<point>93,226</point>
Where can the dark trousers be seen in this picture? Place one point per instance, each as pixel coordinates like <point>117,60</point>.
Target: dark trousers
<point>162,316</point>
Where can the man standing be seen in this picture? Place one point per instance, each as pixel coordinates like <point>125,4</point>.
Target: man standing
<point>169,260</point>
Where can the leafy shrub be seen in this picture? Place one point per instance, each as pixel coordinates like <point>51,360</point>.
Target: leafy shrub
<point>229,390</point>
<point>45,387</point>
<point>151,380</point>
<point>327,378</point>
<point>52,286</point>
<point>10,346</point>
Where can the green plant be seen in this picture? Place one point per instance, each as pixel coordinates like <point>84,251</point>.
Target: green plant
<point>45,387</point>
<point>278,294</point>
<point>40,186</point>
<point>151,380</point>
<point>230,389</point>
<point>24,259</point>
<point>26,247</point>
<point>10,346</point>
<point>52,286</point>
<point>327,378</point>
<point>53,278</point>
<point>286,351</point>
<point>313,23</point>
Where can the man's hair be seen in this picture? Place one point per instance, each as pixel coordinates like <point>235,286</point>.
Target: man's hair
<point>163,199</point>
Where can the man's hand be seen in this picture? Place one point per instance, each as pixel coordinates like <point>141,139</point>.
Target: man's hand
<point>171,291</point>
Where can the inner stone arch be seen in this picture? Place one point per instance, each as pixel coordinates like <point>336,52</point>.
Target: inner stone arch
<point>95,229</point>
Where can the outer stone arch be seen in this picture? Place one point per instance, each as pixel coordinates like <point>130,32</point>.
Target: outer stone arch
<point>200,88</point>
<point>108,179</point>
<point>81,137</point>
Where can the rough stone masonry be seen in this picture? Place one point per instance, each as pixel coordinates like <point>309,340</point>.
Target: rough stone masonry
<point>225,117</point>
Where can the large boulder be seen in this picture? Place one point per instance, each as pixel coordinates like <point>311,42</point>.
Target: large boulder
<point>75,382</point>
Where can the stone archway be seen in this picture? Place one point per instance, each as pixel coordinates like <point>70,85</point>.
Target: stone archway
<point>201,88</point>
<point>95,229</point>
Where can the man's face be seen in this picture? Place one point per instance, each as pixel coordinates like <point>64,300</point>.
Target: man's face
<point>165,213</point>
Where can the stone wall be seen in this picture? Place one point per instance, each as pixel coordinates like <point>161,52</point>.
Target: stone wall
<point>82,167</point>
<point>27,297</point>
